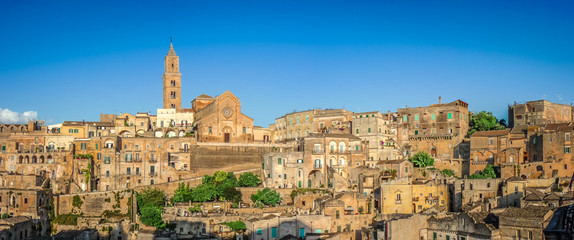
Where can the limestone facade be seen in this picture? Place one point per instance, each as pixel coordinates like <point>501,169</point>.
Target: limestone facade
<point>438,129</point>
<point>407,196</point>
<point>380,132</point>
<point>223,121</point>
<point>536,113</point>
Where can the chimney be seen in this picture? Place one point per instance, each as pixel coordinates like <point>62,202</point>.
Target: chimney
<point>439,100</point>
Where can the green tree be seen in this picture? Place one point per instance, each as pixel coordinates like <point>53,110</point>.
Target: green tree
<point>182,193</point>
<point>204,193</point>
<point>447,172</point>
<point>150,203</point>
<point>483,121</point>
<point>151,216</point>
<point>267,196</point>
<point>488,172</point>
<point>422,159</point>
<point>235,226</point>
<point>248,180</point>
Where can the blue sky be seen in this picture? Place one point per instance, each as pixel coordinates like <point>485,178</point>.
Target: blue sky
<point>72,60</point>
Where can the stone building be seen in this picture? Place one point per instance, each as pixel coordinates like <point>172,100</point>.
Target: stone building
<point>171,81</point>
<point>297,125</point>
<point>331,156</point>
<point>539,112</point>
<point>468,191</point>
<point>286,170</point>
<point>514,189</point>
<point>18,228</point>
<point>294,125</point>
<point>560,226</point>
<point>524,223</point>
<point>438,129</point>
<point>463,226</point>
<point>222,121</point>
<point>323,160</point>
<point>275,226</point>
<point>333,121</point>
<point>407,196</point>
<point>380,132</point>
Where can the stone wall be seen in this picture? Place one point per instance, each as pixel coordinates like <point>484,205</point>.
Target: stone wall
<point>93,204</point>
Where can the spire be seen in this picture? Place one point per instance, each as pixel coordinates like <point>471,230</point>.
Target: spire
<point>171,51</point>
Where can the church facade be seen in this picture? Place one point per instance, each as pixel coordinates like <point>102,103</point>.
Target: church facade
<point>215,119</point>
<point>222,120</point>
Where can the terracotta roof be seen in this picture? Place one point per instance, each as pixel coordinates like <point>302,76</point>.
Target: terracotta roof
<point>205,96</point>
<point>527,212</point>
<point>514,179</point>
<point>491,133</point>
<point>559,127</point>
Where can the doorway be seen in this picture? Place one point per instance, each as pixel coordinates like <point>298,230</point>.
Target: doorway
<point>226,137</point>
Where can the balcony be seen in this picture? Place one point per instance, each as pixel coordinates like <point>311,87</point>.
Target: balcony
<point>398,201</point>
<point>318,151</point>
<point>318,166</point>
<point>153,174</point>
<point>137,160</point>
<point>153,160</point>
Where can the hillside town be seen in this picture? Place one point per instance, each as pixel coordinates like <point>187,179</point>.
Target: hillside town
<point>202,170</point>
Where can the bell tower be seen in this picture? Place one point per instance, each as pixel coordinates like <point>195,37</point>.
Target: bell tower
<point>172,81</point>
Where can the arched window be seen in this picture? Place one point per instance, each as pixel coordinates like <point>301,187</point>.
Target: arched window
<point>341,147</point>
<point>332,146</point>
<point>342,162</point>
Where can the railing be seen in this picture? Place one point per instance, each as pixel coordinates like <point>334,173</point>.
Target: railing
<point>398,201</point>
<point>152,174</point>
<point>153,160</point>
<point>318,151</point>
<point>318,166</point>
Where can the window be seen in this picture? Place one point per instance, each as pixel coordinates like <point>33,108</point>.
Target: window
<point>279,161</point>
<point>369,130</point>
<point>567,149</point>
<point>302,232</point>
<point>567,137</point>
<point>298,119</point>
<point>299,160</point>
<point>107,173</point>
<point>129,171</point>
<point>357,131</point>
<point>128,157</point>
<point>259,231</point>
<point>99,156</point>
<point>75,130</point>
<point>449,115</point>
<point>416,117</point>
<point>490,141</point>
<point>106,160</point>
<point>274,232</point>
<point>210,130</point>
<point>137,171</point>
<point>25,200</point>
<point>416,132</point>
<point>306,118</point>
<point>432,116</point>
<point>405,118</point>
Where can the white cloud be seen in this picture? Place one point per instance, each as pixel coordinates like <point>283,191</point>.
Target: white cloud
<point>7,116</point>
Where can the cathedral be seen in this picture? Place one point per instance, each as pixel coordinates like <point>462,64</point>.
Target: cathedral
<point>216,119</point>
